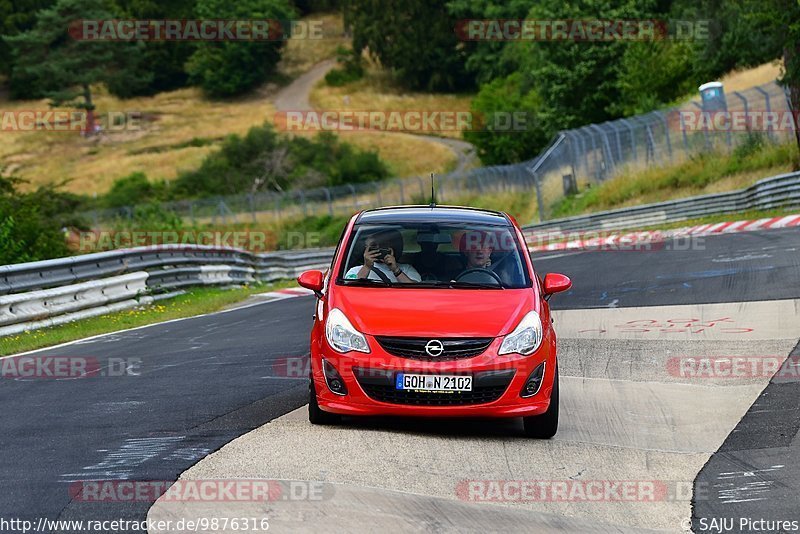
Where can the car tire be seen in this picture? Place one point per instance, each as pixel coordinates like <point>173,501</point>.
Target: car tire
<point>544,426</point>
<point>316,415</point>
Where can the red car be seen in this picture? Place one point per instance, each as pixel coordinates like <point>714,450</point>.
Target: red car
<point>435,312</point>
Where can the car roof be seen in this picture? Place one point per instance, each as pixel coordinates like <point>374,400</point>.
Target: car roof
<point>431,214</point>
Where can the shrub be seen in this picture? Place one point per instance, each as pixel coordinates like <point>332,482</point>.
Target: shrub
<point>351,69</point>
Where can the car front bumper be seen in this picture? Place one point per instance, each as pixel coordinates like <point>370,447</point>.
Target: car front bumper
<point>497,383</point>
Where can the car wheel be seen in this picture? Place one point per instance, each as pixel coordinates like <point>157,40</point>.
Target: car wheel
<point>316,415</point>
<point>544,426</point>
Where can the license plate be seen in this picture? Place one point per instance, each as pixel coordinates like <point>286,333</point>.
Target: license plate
<point>433,382</point>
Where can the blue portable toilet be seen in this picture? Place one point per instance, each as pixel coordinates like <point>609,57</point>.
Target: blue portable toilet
<point>712,96</point>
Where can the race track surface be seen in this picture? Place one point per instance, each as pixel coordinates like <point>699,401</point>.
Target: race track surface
<point>627,414</point>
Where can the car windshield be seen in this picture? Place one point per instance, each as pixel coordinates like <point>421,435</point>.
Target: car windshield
<point>442,255</point>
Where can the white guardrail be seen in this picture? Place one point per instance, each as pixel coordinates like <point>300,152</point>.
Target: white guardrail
<point>781,191</point>
<point>44,293</point>
<point>51,292</point>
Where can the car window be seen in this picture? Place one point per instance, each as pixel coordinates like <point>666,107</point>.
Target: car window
<point>441,254</point>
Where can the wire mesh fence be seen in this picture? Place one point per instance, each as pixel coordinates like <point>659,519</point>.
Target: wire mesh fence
<point>583,157</point>
<point>574,160</point>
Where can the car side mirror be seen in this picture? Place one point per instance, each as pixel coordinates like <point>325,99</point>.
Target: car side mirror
<point>313,280</point>
<point>556,283</point>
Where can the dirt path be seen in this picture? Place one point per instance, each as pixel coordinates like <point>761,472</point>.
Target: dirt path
<point>295,97</point>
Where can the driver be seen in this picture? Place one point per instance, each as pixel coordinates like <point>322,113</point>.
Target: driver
<point>381,251</point>
<point>477,249</point>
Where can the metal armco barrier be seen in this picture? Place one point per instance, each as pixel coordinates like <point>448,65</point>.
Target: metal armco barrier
<point>777,192</point>
<point>45,293</point>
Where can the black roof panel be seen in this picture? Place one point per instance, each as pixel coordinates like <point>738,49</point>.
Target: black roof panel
<point>427,214</point>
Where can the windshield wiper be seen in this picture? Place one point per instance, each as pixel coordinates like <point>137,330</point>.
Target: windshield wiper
<point>473,285</point>
<point>366,282</point>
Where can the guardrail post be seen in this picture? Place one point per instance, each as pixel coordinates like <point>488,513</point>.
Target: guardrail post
<point>402,192</point>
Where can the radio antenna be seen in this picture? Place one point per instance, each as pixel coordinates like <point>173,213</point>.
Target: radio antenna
<point>433,193</point>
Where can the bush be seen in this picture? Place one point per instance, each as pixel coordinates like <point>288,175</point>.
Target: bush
<point>264,161</point>
<point>227,68</point>
<point>351,69</point>
<point>31,223</point>
<point>133,189</point>
<point>501,98</point>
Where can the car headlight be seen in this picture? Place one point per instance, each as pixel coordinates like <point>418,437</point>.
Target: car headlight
<point>525,338</point>
<point>341,335</point>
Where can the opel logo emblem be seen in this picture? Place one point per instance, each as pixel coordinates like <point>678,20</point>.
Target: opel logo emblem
<point>434,347</point>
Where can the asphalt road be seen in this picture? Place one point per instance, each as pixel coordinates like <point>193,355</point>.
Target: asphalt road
<point>204,381</point>
<point>201,383</point>
<point>721,268</point>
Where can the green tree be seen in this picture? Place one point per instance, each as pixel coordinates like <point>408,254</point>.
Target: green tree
<point>497,143</point>
<point>414,38</point>
<point>64,67</point>
<point>161,62</point>
<point>31,223</point>
<point>227,68</point>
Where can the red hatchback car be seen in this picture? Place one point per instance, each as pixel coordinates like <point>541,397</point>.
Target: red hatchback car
<point>435,312</point>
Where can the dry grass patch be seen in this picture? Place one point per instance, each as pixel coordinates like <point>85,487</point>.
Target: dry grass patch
<point>159,144</point>
<point>300,54</point>
<point>378,92</point>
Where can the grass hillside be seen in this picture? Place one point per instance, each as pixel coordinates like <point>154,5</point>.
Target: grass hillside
<point>177,129</point>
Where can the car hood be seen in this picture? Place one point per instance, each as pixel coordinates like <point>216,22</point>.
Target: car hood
<point>434,312</point>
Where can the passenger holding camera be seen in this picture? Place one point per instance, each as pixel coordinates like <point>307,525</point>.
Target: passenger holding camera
<point>380,258</point>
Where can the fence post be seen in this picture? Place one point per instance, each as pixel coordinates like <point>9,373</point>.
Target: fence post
<point>651,148</point>
<point>330,200</point>
<point>608,158</point>
<point>402,192</point>
<point>252,200</point>
<point>619,144</point>
<point>666,133</point>
<point>683,129</point>
<point>705,130</point>
<point>573,155</point>
<point>766,103</point>
<point>534,169</point>
<point>627,123</point>
<point>355,198</point>
<point>746,105</point>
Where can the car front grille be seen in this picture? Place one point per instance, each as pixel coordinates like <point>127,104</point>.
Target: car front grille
<point>414,347</point>
<point>379,385</point>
